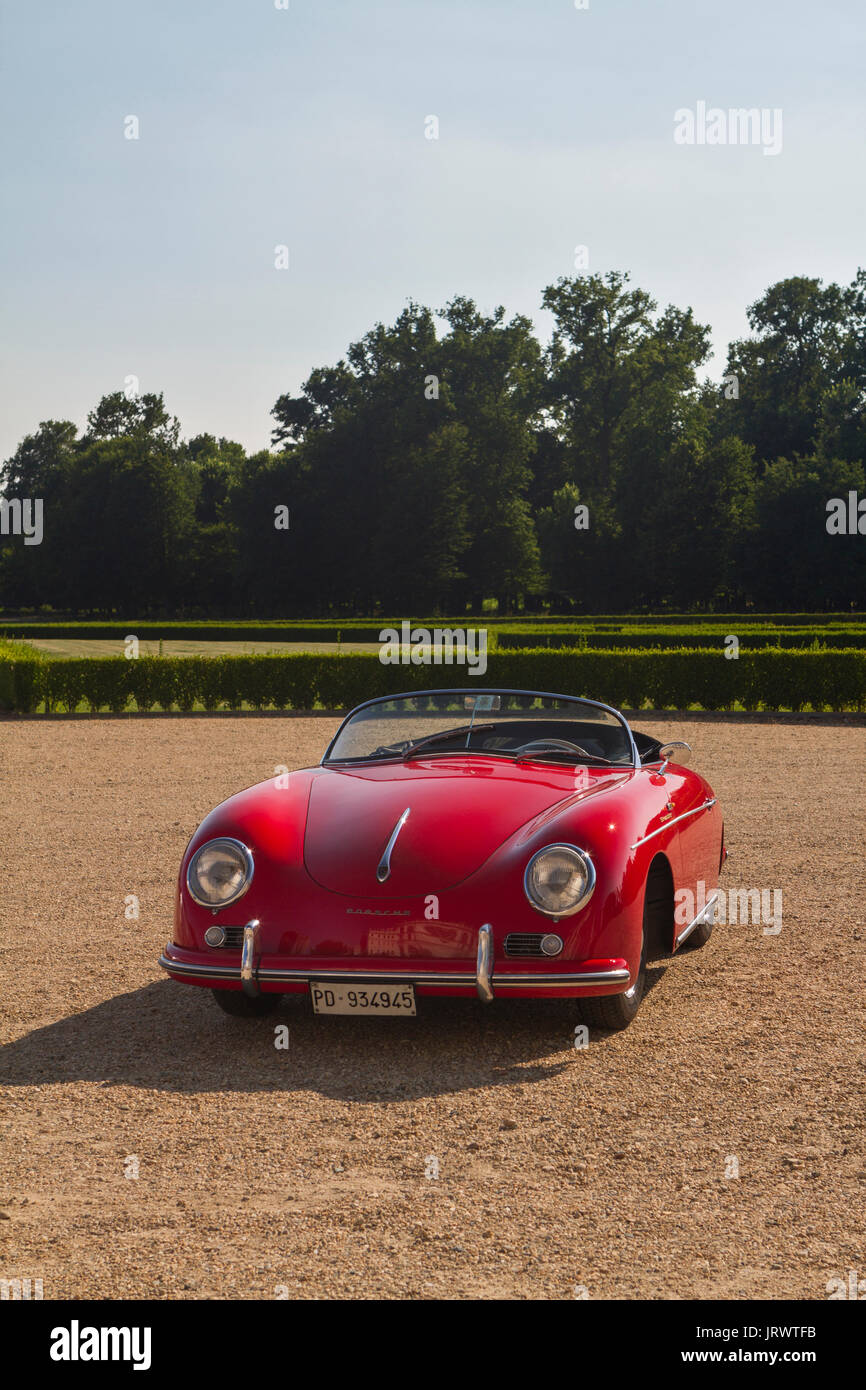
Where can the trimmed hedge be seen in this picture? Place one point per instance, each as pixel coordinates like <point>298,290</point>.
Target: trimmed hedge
<point>767,678</point>
<point>21,677</point>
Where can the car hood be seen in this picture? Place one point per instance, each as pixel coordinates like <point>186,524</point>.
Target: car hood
<point>461,811</point>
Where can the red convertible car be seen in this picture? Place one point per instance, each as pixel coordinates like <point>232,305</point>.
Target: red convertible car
<point>499,843</point>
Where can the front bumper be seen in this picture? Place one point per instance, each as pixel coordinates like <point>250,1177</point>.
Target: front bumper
<point>253,974</point>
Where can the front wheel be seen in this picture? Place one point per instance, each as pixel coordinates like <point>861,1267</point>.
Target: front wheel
<point>240,1005</point>
<point>616,1011</point>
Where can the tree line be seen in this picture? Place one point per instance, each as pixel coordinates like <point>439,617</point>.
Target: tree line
<point>452,459</point>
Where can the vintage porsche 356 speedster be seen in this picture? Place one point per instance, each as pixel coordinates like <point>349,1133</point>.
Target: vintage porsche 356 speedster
<point>493,843</point>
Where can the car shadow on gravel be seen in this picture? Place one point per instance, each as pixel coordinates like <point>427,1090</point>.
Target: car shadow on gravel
<point>172,1037</point>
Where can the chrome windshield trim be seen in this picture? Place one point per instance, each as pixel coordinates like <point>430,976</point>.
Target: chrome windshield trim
<point>704,806</point>
<point>484,964</point>
<point>474,690</point>
<point>383,868</point>
<point>708,910</point>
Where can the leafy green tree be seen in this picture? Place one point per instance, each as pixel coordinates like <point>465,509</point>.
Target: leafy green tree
<point>118,512</point>
<point>128,522</point>
<point>493,370</point>
<point>791,561</point>
<point>42,468</point>
<point>444,460</point>
<point>684,517</point>
<point>807,339</point>
<point>560,543</point>
<point>620,379</point>
<point>609,362</point>
<point>841,431</point>
<point>211,560</point>
<point>352,441</point>
<point>119,416</point>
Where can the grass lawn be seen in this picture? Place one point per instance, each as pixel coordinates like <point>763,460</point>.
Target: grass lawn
<point>98,646</point>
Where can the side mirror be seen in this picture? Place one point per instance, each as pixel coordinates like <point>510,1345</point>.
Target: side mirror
<point>666,753</point>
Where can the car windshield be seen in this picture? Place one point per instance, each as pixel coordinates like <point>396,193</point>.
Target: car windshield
<point>515,724</point>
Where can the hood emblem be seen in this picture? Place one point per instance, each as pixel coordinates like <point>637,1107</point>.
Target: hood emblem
<point>383,868</point>
<point>378,911</point>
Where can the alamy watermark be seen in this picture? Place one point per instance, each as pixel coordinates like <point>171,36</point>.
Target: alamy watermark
<point>734,906</point>
<point>421,646</point>
<point>840,1288</point>
<point>846,516</point>
<point>736,126</point>
<point>77,1343</point>
<point>19,518</point>
<point>21,1290</point>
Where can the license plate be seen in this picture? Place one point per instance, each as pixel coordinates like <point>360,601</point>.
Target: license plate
<point>372,999</point>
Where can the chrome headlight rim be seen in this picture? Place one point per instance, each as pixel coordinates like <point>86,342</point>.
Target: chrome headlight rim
<point>249,866</point>
<point>584,857</point>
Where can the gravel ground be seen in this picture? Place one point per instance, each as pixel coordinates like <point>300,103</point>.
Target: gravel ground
<point>308,1172</point>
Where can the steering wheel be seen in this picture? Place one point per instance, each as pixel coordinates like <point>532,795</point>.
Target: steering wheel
<point>561,743</point>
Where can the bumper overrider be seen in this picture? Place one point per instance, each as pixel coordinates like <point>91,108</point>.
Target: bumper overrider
<point>611,976</point>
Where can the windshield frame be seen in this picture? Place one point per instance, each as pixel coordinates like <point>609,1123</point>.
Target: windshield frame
<point>327,761</point>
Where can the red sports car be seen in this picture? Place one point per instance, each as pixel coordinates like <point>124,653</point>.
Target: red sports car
<point>499,843</point>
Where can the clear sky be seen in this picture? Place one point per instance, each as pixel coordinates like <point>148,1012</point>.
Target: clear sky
<point>305,126</point>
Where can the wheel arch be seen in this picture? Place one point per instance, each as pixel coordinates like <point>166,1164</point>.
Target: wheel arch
<point>659,906</point>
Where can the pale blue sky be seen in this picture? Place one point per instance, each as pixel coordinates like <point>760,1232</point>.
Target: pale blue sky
<point>306,127</point>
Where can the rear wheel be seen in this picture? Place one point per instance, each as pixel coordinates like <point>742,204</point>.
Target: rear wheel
<point>700,936</point>
<point>240,1005</point>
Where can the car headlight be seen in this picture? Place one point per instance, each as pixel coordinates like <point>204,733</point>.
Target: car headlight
<point>219,873</point>
<point>559,879</point>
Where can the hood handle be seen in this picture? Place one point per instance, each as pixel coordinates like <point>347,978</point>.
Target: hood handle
<point>383,868</point>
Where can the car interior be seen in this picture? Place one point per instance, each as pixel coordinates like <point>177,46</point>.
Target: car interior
<point>605,741</point>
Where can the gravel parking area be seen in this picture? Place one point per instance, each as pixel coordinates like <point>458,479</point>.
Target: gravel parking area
<point>151,1147</point>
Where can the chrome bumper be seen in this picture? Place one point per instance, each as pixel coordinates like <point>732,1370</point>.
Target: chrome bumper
<point>251,972</point>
